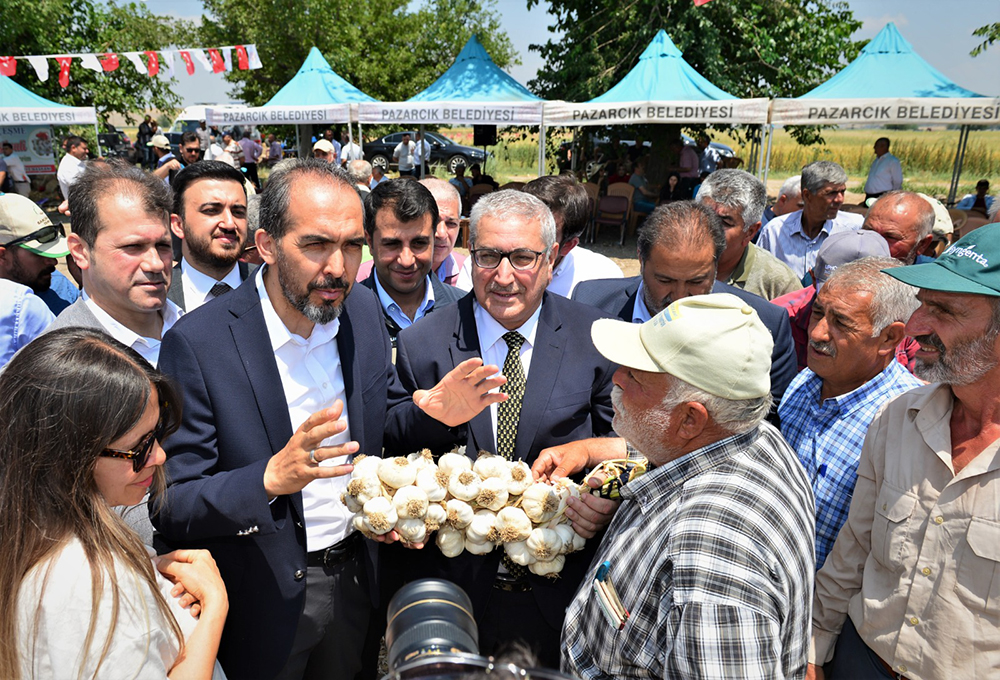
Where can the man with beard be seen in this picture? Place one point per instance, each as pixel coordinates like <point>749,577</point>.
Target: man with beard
<point>283,383</point>
<point>905,220</point>
<point>210,218</point>
<point>707,568</point>
<point>910,587</point>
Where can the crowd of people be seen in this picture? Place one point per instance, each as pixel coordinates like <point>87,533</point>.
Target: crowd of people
<point>814,394</point>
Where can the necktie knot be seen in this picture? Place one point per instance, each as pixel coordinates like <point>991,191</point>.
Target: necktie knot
<point>220,288</point>
<point>514,340</point>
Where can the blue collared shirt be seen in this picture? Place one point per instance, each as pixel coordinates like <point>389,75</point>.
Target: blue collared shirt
<point>23,317</point>
<point>828,434</point>
<point>396,313</point>
<point>784,238</point>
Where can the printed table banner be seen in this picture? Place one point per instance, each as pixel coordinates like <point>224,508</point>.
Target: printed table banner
<point>627,113</point>
<point>451,113</point>
<point>34,145</point>
<point>278,115</point>
<point>920,111</point>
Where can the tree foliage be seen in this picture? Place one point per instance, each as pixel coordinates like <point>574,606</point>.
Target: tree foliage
<point>384,47</point>
<point>83,26</point>
<point>991,32</point>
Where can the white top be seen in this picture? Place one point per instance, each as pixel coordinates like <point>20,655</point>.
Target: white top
<point>404,154</point>
<point>70,168</point>
<point>421,152</point>
<point>148,348</point>
<point>312,379</point>
<point>886,174</point>
<point>57,594</point>
<point>581,265</point>
<point>493,349</point>
<point>197,286</point>
<point>351,152</point>
<point>448,268</point>
<point>783,237</point>
<point>15,168</point>
<point>396,313</point>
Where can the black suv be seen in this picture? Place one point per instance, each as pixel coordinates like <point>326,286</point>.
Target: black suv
<point>443,150</point>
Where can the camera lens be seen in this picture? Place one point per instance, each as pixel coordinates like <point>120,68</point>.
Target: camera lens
<point>429,616</point>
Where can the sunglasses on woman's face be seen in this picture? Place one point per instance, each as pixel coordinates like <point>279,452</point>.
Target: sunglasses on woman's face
<point>140,454</point>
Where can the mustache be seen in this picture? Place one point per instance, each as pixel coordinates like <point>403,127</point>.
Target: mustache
<point>827,348</point>
<point>933,340</point>
<point>329,282</point>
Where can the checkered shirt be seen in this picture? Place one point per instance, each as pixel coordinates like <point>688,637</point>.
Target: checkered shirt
<point>827,435</point>
<point>712,555</point>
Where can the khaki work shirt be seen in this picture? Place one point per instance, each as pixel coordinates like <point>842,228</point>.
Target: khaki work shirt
<point>917,566</point>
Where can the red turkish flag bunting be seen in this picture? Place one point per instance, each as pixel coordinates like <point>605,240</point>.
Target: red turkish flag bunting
<point>153,63</point>
<point>218,65</point>
<point>699,3</point>
<point>64,63</point>
<point>109,62</point>
<point>8,66</point>
<point>241,57</point>
<point>188,63</point>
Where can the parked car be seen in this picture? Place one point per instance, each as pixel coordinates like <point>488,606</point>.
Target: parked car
<point>116,144</point>
<point>443,151</point>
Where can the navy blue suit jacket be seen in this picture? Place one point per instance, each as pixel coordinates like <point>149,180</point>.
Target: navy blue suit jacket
<point>616,297</point>
<point>235,418</point>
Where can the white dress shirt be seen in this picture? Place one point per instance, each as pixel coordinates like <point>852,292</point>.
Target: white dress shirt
<point>148,348</point>
<point>493,348</point>
<point>396,313</point>
<point>198,286</point>
<point>886,174</point>
<point>70,168</point>
<point>312,379</point>
<point>581,265</point>
<point>351,152</point>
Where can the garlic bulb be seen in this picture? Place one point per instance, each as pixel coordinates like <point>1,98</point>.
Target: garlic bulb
<point>492,494</point>
<point>488,466</point>
<point>482,527</point>
<point>351,502</point>
<point>566,534</point>
<point>423,458</point>
<point>358,522</point>
<point>380,516</point>
<point>450,541</point>
<point>520,478</point>
<point>550,568</point>
<point>412,530</point>
<point>427,480</point>
<point>478,548</point>
<point>435,517</point>
<point>449,462</point>
<point>512,525</point>
<point>365,488</point>
<point>464,484</point>
<point>539,502</point>
<point>460,513</point>
<point>544,544</point>
<point>410,502</point>
<point>365,466</point>
<point>518,552</point>
<point>397,472</point>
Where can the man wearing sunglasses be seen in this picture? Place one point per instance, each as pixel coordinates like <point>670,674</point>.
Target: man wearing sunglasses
<point>30,246</point>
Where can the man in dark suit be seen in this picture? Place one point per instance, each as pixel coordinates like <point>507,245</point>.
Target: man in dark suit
<point>210,219</point>
<point>257,467</point>
<point>555,376</point>
<point>400,218</point>
<point>679,247</point>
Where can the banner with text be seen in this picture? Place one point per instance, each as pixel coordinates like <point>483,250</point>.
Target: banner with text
<point>69,115</point>
<point>33,145</point>
<point>919,111</point>
<point>451,113</point>
<point>626,113</point>
<point>278,115</point>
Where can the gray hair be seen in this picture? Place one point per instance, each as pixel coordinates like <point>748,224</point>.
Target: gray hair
<point>276,198</point>
<point>735,416</point>
<point>820,173</point>
<point>253,216</point>
<point>921,208</point>
<point>360,171</point>
<point>509,202</point>
<point>739,190</point>
<point>681,222</point>
<point>443,191</point>
<point>892,300</point>
<point>792,187</point>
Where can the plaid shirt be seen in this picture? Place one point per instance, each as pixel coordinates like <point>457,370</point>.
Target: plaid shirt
<point>712,555</point>
<point>828,435</point>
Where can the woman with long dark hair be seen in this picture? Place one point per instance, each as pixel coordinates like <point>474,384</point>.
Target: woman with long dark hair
<point>81,419</point>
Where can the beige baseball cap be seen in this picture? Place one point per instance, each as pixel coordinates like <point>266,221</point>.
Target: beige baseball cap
<point>20,218</point>
<point>715,342</point>
<point>323,145</point>
<point>159,142</point>
<point>943,224</point>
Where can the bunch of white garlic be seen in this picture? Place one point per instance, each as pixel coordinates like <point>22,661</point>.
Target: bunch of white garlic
<point>472,507</point>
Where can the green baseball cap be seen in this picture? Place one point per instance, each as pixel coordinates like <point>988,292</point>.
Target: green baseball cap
<point>969,265</point>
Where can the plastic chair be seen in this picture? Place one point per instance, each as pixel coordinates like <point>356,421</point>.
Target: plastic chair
<point>958,220</point>
<point>478,191</point>
<point>613,211</point>
<point>628,191</point>
<point>594,195</point>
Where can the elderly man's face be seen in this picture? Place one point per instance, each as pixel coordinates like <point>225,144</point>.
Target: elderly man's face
<point>824,204</point>
<point>641,417</point>
<point>736,239</point>
<point>957,344</point>
<point>841,347</point>
<point>787,204</point>
<point>446,230</point>
<point>670,274</point>
<point>899,227</point>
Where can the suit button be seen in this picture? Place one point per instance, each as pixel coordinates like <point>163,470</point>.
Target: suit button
<point>300,574</point>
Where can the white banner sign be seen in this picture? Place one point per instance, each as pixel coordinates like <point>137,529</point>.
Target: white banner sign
<point>278,115</point>
<point>81,115</point>
<point>626,113</point>
<point>921,111</point>
<point>33,146</point>
<point>451,113</point>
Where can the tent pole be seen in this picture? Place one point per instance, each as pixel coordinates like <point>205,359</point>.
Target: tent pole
<point>298,142</point>
<point>767,162</point>
<point>97,140</point>
<point>541,149</point>
<point>956,173</point>
<point>423,145</point>
<point>361,140</point>
<point>574,150</point>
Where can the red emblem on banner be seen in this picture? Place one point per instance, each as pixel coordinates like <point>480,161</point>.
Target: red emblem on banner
<point>218,65</point>
<point>109,62</point>
<point>8,66</point>
<point>188,63</point>
<point>153,62</point>
<point>242,60</point>
<point>64,63</point>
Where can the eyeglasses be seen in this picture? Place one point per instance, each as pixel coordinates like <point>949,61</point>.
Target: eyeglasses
<point>520,258</point>
<point>52,232</point>
<point>140,454</point>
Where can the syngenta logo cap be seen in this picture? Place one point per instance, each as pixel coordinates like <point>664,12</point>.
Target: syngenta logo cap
<point>969,252</point>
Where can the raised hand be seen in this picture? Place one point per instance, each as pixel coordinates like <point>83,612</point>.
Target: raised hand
<point>462,394</point>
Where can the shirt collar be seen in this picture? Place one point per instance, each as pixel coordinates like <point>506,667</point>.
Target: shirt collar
<point>125,335</point>
<point>203,283</point>
<point>742,271</point>
<point>388,303</point>
<point>491,332</point>
<point>448,268</point>
<point>846,403</point>
<point>640,313</point>
<point>278,332</point>
<point>797,217</point>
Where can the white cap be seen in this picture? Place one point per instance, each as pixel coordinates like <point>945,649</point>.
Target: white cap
<point>159,142</point>
<point>943,224</point>
<point>715,342</point>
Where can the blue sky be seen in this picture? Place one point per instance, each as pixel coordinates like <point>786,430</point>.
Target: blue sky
<point>940,30</point>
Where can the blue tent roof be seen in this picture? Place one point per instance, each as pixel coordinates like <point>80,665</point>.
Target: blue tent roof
<point>13,96</point>
<point>317,84</point>
<point>888,67</point>
<point>662,75</point>
<point>475,78</point>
